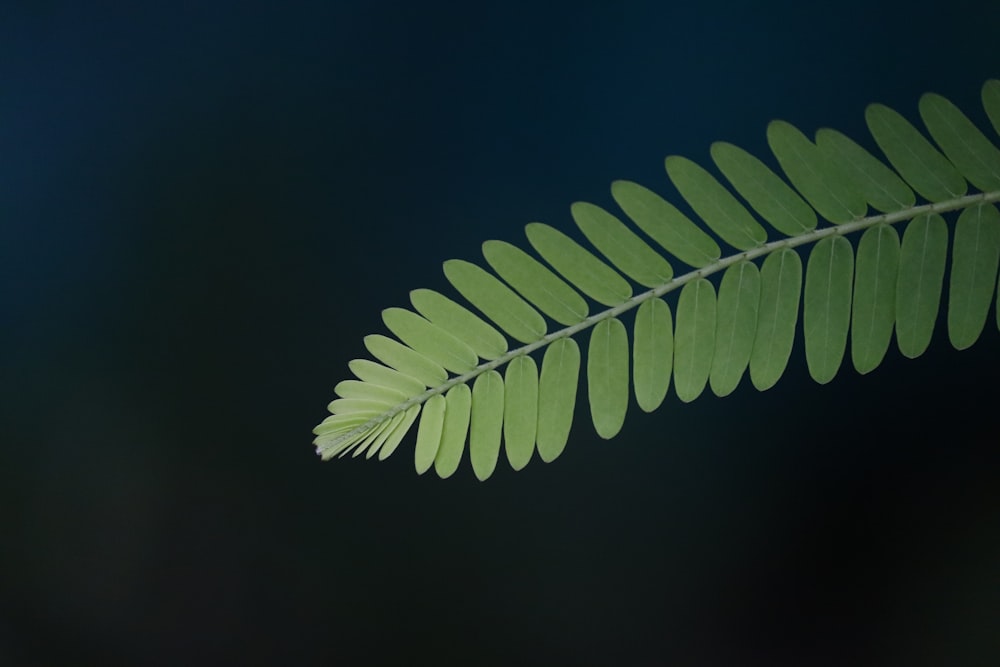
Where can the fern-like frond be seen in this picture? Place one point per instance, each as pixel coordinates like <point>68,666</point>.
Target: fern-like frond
<point>473,380</point>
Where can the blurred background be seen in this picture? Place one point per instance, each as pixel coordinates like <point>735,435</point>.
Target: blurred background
<point>205,206</point>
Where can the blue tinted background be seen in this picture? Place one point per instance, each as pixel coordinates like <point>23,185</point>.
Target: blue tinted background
<point>203,210</point>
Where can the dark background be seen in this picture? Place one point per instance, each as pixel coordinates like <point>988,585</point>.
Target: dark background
<point>203,209</point>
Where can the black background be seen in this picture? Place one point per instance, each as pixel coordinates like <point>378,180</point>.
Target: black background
<point>203,210</point>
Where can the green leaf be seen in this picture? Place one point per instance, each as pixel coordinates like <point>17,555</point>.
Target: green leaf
<point>373,439</point>
<point>764,190</point>
<point>717,207</point>
<point>621,246</point>
<point>497,301</point>
<point>739,298</point>
<point>962,142</point>
<point>557,397</point>
<point>406,361</point>
<point>663,223</point>
<point>578,265</point>
<point>826,311</point>
<point>360,446</point>
<point>368,371</point>
<point>821,181</point>
<point>751,323</point>
<point>333,433</point>
<point>607,376</point>
<point>429,433</point>
<point>520,410</point>
<point>458,404</point>
<point>918,288</point>
<point>919,163</point>
<point>357,389</point>
<point>343,422</point>
<point>780,289</point>
<point>430,340</point>
<point>486,423</point>
<point>874,304</point>
<point>653,353</point>
<point>399,432</point>
<point>694,339</point>
<point>878,184</point>
<point>343,406</point>
<point>371,448</point>
<point>486,341</point>
<point>974,260</point>
<point>544,289</point>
